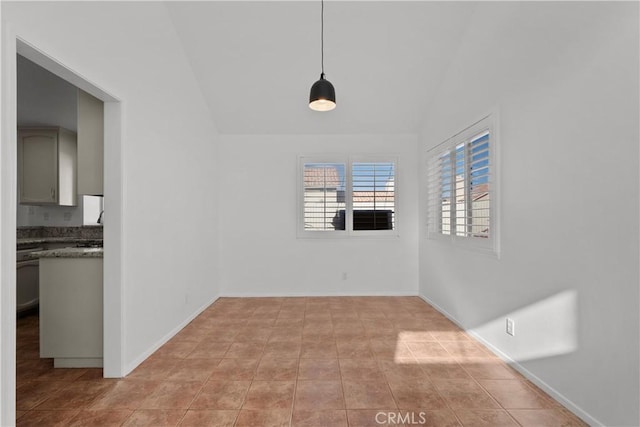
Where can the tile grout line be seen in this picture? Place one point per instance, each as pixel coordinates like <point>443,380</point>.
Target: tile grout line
<point>496,400</point>
<point>295,383</point>
<point>490,395</point>
<point>446,403</point>
<point>473,378</point>
<point>344,395</point>
<point>295,389</point>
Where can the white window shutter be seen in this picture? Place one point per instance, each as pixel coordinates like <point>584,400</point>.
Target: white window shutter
<point>324,198</point>
<point>460,193</point>
<point>373,195</point>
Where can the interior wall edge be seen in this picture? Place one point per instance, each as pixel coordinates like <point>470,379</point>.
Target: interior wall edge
<point>162,341</point>
<point>567,403</point>
<point>8,201</point>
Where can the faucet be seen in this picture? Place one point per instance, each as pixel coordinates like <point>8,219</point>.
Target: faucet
<point>100,217</point>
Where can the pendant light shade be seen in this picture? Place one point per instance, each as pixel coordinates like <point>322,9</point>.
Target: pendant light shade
<point>322,96</point>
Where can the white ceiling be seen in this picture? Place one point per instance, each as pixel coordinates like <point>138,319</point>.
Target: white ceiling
<point>256,61</point>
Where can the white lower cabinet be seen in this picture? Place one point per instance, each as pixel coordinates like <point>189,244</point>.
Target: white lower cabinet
<point>71,324</point>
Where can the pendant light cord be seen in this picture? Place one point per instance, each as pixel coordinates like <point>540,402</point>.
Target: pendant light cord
<point>322,37</point>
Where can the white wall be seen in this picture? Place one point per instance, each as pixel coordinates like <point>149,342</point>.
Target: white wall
<point>168,155</point>
<point>565,79</point>
<point>260,253</point>
<point>45,99</point>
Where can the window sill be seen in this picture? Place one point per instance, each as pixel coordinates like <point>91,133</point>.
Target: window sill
<point>355,235</point>
<point>489,248</point>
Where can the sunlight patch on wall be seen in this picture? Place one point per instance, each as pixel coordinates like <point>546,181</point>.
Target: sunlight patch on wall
<point>546,328</point>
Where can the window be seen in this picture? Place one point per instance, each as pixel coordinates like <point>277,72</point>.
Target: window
<point>324,196</point>
<point>92,208</point>
<point>373,192</point>
<point>462,187</point>
<point>349,197</point>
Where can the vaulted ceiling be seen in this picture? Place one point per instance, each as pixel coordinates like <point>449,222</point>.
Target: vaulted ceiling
<point>255,61</point>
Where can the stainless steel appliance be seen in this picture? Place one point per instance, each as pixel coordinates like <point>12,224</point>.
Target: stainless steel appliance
<point>27,280</point>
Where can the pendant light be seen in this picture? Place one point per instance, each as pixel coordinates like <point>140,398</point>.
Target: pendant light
<point>322,96</point>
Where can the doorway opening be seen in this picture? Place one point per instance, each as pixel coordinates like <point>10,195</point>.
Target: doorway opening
<point>12,49</point>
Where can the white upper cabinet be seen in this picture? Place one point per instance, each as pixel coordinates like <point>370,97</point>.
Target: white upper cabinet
<point>90,144</point>
<point>47,166</point>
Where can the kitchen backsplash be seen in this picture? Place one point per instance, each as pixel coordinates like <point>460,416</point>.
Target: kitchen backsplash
<point>86,213</point>
<point>49,216</point>
<point>86,232</point>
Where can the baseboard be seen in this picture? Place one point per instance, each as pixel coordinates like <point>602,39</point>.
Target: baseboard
<point>136,362</point>
<point>567,403</point>
<point>315,294</point>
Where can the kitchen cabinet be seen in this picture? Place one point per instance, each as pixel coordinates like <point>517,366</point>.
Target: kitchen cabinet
<point>71,310</point>
<point>90,144</point>
<point>47,166</point>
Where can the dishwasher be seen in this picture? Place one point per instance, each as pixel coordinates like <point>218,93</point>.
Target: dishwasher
<point>27,280</point>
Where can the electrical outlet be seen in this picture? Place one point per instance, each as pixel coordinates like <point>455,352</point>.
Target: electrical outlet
<point>45,216</point>
<point>511,327</point>
<point>67,216</point>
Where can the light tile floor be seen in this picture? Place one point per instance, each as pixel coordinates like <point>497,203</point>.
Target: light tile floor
<point>348,361</point>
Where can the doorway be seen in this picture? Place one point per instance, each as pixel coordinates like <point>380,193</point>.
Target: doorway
<point>13,46</point>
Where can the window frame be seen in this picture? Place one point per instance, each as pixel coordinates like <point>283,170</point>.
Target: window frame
<point>489,245</point>
<point>348,232</point>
